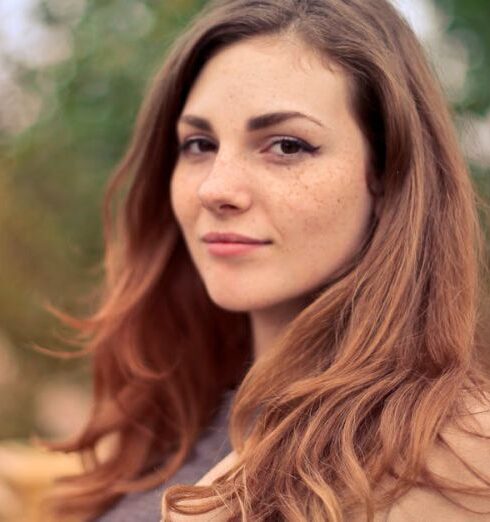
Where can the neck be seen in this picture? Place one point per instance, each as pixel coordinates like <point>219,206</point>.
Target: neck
<point>269,323</point>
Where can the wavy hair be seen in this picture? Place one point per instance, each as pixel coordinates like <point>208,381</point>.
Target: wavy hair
<point>364,379</point>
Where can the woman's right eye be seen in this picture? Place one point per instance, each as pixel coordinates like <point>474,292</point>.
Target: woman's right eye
<point>196,146</point>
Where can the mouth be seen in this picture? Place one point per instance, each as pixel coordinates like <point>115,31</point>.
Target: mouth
<point>232,244</point>
<point>220,237</point>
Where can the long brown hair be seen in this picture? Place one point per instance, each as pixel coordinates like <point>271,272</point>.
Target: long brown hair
<point>365,378</point>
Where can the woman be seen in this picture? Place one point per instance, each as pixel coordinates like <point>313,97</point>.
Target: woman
<point>345,330</point>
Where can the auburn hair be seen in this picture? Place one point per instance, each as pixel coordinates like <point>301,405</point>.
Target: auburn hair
<point>364,379</point>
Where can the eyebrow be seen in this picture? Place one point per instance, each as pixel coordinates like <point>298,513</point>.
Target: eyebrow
<point>253,124</point>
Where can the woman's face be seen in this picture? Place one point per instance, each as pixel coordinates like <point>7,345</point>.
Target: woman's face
<point>270,150</point>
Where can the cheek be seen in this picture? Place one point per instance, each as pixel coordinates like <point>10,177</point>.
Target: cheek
<point>329,211</point>
<point>180,199</point>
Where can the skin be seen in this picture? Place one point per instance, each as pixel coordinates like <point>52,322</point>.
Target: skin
<point>315,206</point>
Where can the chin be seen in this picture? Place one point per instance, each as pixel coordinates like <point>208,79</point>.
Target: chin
<point>233,304</point>
<point>245,301</point>
<point>235,300</point>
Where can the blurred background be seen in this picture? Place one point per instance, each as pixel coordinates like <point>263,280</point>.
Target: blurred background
<point>72,76</point>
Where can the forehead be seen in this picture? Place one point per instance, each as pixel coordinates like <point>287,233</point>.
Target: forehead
<point>268,73</point>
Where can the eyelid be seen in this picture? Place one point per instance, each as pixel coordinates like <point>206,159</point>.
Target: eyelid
<point>193,137</point>
<point>280,138</point>
<point>186,142</point>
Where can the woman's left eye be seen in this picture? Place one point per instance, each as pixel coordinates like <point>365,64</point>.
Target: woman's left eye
<point>291,147</point>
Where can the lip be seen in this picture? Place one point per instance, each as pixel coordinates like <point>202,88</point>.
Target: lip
<point>233,249</point>
<point>232,244</point>
<point>232,237</point>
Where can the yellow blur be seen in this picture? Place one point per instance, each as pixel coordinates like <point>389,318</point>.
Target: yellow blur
<point>26,473</point>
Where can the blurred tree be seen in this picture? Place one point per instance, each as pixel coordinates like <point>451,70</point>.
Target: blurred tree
<point>469,22</point>
<point>53,174</point>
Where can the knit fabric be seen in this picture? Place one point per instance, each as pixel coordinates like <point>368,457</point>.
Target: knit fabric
<point>211,447</point>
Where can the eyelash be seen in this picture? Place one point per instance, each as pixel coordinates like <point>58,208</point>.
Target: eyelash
<point>303,145</point>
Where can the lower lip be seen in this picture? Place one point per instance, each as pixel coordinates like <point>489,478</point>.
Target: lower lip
<point>233,249</point>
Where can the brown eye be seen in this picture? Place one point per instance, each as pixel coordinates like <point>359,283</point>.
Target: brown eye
<point>292,147</point>
<point>196,146</point>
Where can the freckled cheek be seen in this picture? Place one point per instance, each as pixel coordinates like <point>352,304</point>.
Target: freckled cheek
<point>302,218</point>
<point>324,215</point>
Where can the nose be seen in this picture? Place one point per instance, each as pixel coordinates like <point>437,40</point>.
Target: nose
<point>226,189</point>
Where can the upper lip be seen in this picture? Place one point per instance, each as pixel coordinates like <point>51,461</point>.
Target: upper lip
<point>230,237</point>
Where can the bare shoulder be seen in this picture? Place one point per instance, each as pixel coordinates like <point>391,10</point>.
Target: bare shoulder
<point>423,505</point>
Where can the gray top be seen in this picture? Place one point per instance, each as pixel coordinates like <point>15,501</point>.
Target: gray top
<point>212,446</point>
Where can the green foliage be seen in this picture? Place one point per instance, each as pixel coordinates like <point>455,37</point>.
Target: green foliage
<point>469,22</point>
<point>52,176</point>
